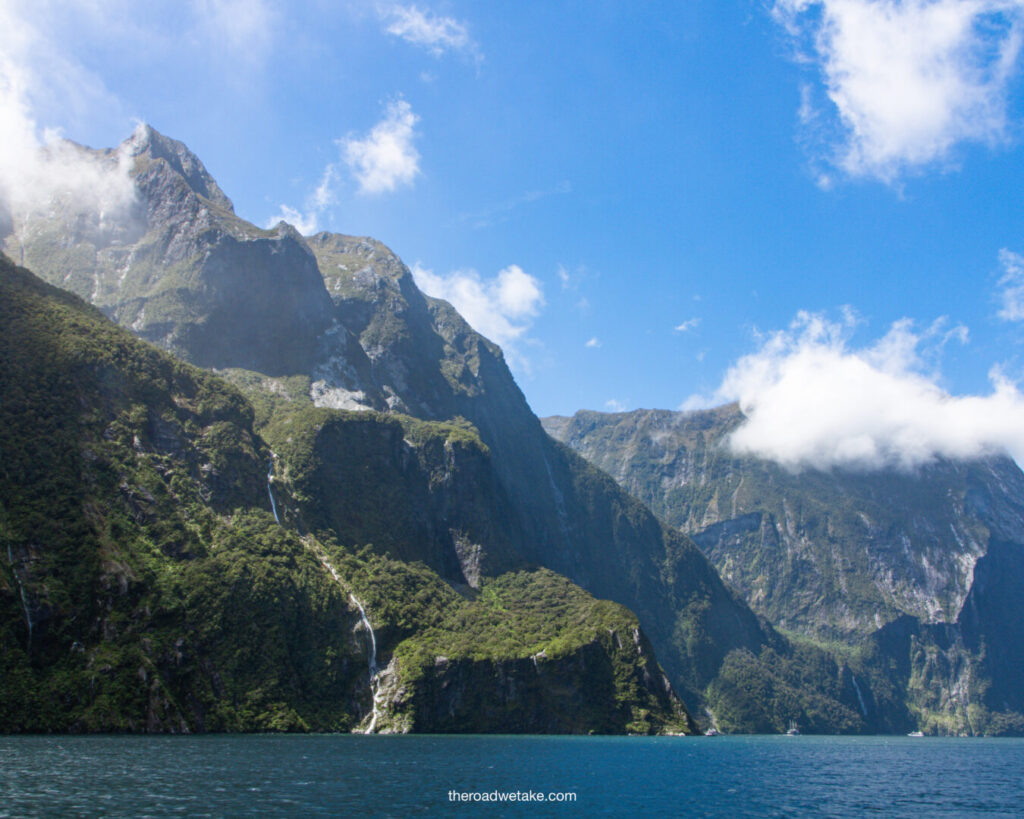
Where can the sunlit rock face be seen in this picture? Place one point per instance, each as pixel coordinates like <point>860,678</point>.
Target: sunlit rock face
<point>844,554</point>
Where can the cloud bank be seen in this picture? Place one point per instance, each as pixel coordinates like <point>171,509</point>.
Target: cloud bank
<point>906,80</point>
<point>812,400</point>
<point>501,308</point>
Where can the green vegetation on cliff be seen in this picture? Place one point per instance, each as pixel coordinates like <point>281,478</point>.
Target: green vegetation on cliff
<point>145,585</point>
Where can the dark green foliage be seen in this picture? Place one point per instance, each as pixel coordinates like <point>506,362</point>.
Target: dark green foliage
<point>146,586</point>
<point>158,599</point>
<point>528,651</point>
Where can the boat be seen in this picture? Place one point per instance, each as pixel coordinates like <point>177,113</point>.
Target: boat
<point>792,731</point>
<point>915,734</point>
<point>711,732</point>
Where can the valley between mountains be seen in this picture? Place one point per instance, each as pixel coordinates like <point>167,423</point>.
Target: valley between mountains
<point>258,481</point>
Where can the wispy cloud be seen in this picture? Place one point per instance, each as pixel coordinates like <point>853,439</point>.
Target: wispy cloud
<point>438,35</point>
<point>906,80</point>
<point>614,405</point>
<point>499,213</point>
<point>385,158</point>
<point>593,343</point>
<point>502,308</point>
<point>307,220</point>
<point>686,326</point>
<point>1011,284</point>
<point>813,400</point>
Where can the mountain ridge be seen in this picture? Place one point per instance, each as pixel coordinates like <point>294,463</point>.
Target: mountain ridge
<point>342,317</point>
<point>902,560</point>
<point>149,586</point>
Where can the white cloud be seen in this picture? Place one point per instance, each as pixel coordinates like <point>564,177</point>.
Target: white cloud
<point>501,308</point>
<point>686,326</point>
<point>907,80</point>
<point>436,34</point>
<point>1012,286</point>
<point>307,221</point>
<point>386,158</point>
<point>594,343</point>
<point>37,167</point>
<point>304,223</point>
<point>383,160</point>
<point>812,400</point>
<point>614,405</point>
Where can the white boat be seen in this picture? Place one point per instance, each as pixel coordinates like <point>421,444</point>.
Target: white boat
<point>792,731</point>
<point>711,732</point>
<point>915,734</point>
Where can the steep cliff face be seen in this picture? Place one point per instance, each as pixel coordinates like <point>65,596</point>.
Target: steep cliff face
<point>839,555</point>
<point>148,583</point>
<point>220,292</point>
<point>172,263</point>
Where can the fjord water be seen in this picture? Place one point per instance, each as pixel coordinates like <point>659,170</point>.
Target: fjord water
<point>412,775</point>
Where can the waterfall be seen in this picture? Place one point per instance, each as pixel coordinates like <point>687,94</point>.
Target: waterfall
<point>859,697</point>
<point>375,694</point>
<point>270,491</point>
<point>24,597</point>
<point>374,687</point>
<point>373,637</point>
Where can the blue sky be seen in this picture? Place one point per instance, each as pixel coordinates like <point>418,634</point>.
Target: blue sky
<point>640,201</point>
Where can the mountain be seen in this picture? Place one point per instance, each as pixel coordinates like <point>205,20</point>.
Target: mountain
<point>920,569</point>
<point>148,585</point>
<point>398,427</point>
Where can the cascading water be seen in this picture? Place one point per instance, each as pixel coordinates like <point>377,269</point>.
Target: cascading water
<point>375,694</point>
<point>860,698</point>
<point>374,687</point>
<point>24,597</point>
<point>270,491</point>
<point>373,637</point>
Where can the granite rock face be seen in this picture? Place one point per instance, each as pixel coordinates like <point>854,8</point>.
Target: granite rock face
<point>928,560</point>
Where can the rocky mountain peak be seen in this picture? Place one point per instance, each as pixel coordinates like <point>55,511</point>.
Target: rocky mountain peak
<point>146,141</point>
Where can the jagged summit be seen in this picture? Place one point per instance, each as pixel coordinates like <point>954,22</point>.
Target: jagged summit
<point>146,141</point>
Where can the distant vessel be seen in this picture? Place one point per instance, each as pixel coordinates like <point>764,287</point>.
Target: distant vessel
<point>793,731</point>
<point>711,732</point>
<point>915,734</point>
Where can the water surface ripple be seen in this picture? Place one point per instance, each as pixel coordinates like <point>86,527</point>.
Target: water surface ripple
<point>412,775</point>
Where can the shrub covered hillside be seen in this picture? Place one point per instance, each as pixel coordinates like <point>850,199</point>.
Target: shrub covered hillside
<point>146,586</point>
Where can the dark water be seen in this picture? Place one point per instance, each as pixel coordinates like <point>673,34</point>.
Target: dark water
<point>610,776</point>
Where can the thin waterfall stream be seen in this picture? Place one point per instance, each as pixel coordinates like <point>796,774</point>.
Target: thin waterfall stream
<point>372,660</point>
<point>375,694</point>
<point>270,491</point>
<point>24,597</point>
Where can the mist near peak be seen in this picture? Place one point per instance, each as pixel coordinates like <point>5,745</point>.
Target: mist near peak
<point>40,171</point>
<point>812,400</point>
